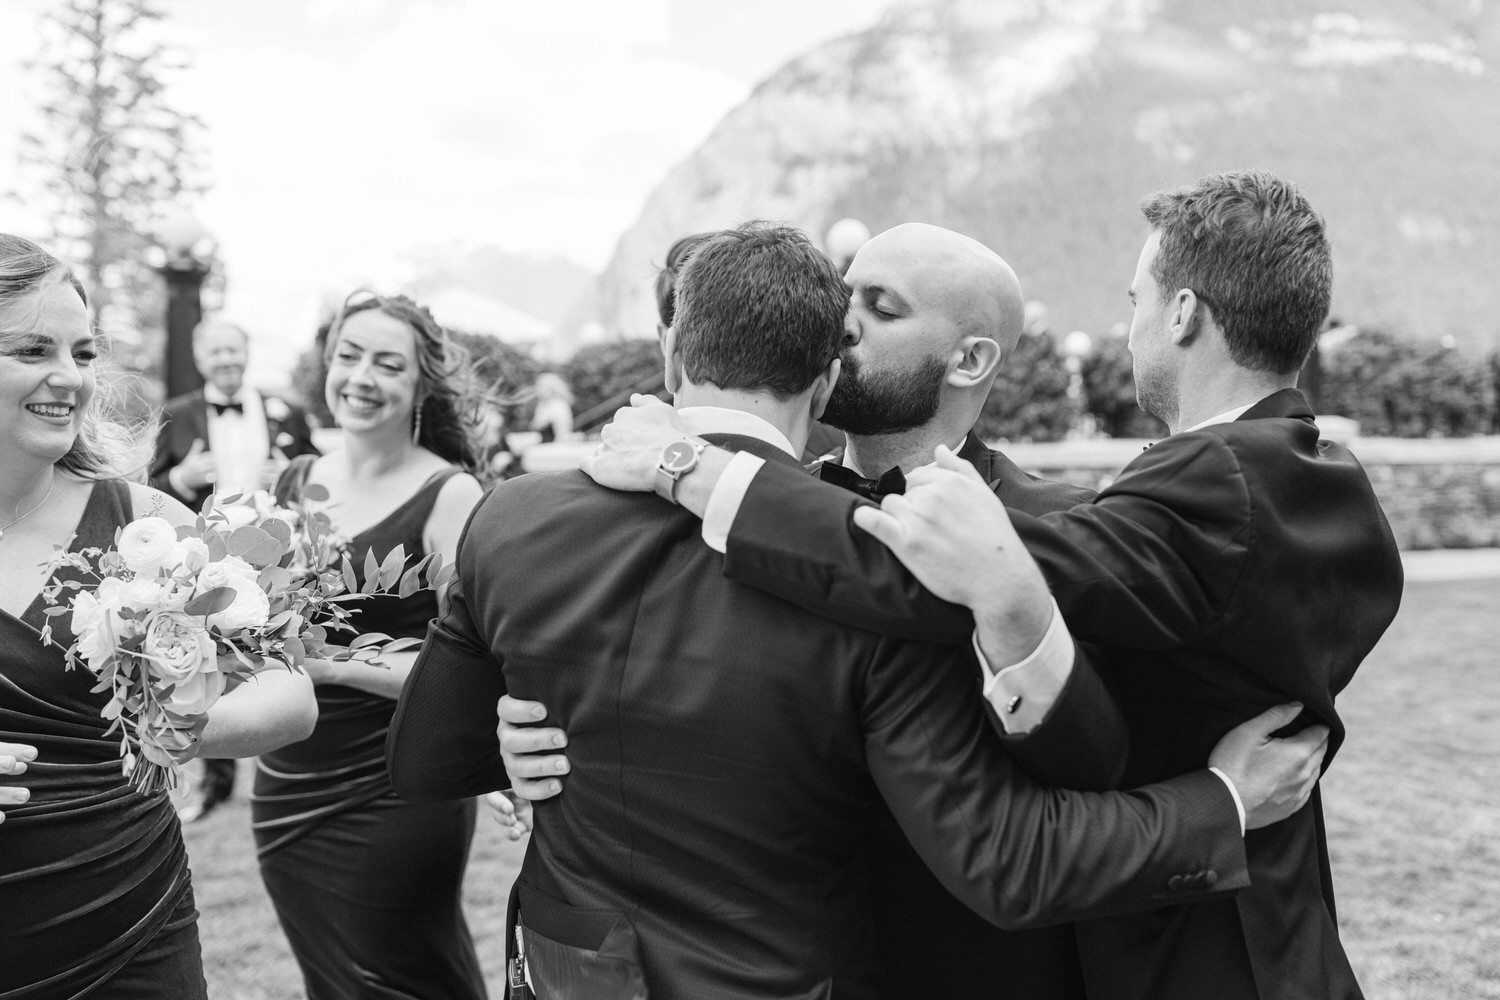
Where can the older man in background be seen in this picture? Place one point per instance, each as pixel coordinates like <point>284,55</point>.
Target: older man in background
<point>227,438</point>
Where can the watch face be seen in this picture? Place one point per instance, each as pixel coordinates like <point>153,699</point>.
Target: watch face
<point>679,456</point>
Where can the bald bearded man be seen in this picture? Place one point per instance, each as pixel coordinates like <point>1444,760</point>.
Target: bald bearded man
<point>932,316</point>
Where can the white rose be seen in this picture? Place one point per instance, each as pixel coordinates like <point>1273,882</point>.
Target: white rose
<point>87,613</point>
<point>190,554</point>
<point>238,515</point>
<point>87,624</point>
<point>180,652</point>
<point>145,593</point>
<point>196,694</point>
<point>145,544</point>
<point>110,593</point>
<point>275,408</point>
<point>250,608</point>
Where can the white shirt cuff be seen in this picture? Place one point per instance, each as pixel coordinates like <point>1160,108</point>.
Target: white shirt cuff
<point>724,502</point>
<point>1239,806</point>
<point>1023,693</point>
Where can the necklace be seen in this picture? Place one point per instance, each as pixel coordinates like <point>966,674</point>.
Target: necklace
<point>17,520</point>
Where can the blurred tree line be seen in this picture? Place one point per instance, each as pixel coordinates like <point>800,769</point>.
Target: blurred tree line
<point>1394,386</point>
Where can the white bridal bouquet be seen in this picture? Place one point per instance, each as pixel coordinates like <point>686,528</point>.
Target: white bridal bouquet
<point>172,617</point>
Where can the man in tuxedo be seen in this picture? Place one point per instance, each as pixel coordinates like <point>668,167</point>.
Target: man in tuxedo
<point>727,746</point>
<point>230,438</point>
<point>1239,562</point>
<point>932,316</point>
<point>225,437</point>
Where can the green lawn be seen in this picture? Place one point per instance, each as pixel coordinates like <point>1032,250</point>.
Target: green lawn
<point>1413,807</point>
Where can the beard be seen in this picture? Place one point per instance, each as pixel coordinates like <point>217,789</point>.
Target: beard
<point>865,403</point>
<point>1156,391</point>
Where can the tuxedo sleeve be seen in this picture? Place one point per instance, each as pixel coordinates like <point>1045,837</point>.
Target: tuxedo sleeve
<point>442,742</point>
<point>1153,562</point>
<point>167,457</point>
<point>297,427</point>
<point>1018,853</point>
<point>794,537</point>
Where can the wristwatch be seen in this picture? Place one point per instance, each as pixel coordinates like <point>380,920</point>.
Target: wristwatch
<point>677,460</point>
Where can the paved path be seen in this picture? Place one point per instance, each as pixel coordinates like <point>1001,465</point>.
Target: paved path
<point>1452,564</point>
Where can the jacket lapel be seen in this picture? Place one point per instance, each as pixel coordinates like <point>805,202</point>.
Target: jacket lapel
<point>1286,403</point>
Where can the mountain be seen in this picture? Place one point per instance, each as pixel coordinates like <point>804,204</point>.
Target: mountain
<point>552,289</point>
<point>1036,126</point>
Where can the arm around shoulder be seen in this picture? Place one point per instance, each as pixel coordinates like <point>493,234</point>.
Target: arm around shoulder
<point>1025,855</point>
<point>794,537</point>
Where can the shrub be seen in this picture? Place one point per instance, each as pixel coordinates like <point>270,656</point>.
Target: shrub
<point>1109,392</point>
<point>600,371</point>
<point>1029,401</point>
<point>1398,387</point>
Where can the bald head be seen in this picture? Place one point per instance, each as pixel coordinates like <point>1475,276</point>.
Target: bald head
<point>951,275</point>
<point>932,314</point>
<point>220,350</point>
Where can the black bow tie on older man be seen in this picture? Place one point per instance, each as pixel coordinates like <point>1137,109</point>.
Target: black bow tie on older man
<point>890,481</point>
<point>220,408</point>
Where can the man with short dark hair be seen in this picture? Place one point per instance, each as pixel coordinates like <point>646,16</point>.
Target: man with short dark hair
<point>727,747</point>
<point>1237,563</point>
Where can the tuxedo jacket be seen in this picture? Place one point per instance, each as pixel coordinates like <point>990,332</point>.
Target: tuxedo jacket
<point>726,748</point>
<point>1226,570</point>
<point>185,419</point>
<point>934,945</point>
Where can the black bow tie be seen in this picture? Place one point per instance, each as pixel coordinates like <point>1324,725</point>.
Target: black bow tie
<point>219,408</point>
<point>891,481</point>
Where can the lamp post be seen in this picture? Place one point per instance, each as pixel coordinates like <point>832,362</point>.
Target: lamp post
<point>187,260</point>
<point>1075,347</point>
<point>843,240</point>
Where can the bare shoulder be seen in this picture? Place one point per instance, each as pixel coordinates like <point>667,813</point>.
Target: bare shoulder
<point>148,501</point>
<point>457,497</point>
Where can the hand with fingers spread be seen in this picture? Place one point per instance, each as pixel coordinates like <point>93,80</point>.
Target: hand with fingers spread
<point>631,444</point>
<point>954,535</point>
<point>13,760</point>
<point>1274,776</point>
<point>524,747</point>
<point>510,811</point>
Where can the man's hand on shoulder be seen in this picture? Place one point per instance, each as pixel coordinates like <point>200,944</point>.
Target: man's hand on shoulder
<point>954,535</point>
<point>1274,777</point>
<point>631,444</point>
<point>525,748</point>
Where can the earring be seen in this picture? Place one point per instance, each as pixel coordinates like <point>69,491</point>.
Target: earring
<point>416,425</point>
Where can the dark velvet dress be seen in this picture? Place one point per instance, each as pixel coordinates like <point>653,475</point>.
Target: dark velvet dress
<point>95,898</point>
<point>367,885</point>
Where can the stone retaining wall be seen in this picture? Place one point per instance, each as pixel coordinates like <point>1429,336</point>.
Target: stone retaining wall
<point>1437,493</point>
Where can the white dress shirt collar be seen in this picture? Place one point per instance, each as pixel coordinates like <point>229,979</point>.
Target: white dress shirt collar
<point>1227,417</point>
<point>702,420</point>
<point>845,461</point>
<point>212,394</point>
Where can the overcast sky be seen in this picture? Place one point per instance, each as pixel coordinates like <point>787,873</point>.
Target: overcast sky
<point>342,133</point>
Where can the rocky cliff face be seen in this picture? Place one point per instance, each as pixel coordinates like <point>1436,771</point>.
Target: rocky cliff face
<point>1037,125</point>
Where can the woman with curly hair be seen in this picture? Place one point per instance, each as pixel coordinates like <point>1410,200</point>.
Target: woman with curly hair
<point>366,885</point>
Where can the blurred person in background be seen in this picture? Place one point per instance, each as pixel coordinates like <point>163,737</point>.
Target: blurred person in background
<point>367,885</point>
<point>553,415</point>
<point>227,438</point>
<point>97,896</point>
